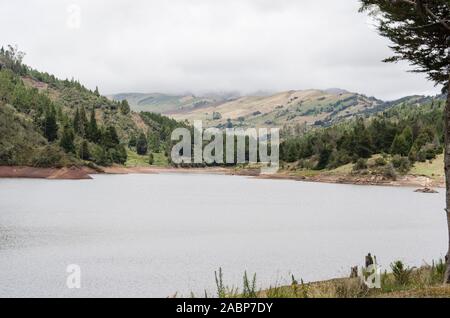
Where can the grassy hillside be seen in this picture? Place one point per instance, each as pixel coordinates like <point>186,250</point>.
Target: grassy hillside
<point>433,169</point>
<point>293,107</point>
<point>21,144</point>
<point>164,103</point>
<point>307,108</point>
<point>45,121</point>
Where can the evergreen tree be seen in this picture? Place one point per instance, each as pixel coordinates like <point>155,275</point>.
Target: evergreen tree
<point>110,139</point>
<point>124,107</point>
<point>118,154</point>
<point>363,140</point>
<point>93,132</point>
<point>96,92</point>
<point>153,141</point>
<point>76,121</point>
<point>403,142</point>
<point>50,125</point>
<point>324,158</point>
<point>67,140</point>
<point>83,121</point>
<point>420,33</point>
<point>133,142</point>
<point>142,145</point>
<point>84,153</point>
<point>151,159</point>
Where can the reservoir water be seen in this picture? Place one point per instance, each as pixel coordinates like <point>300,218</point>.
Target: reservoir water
<point>158,235</point>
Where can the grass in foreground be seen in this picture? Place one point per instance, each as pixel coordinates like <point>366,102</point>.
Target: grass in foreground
<point>400,282</point>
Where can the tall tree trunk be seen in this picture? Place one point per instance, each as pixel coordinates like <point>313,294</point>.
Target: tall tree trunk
<point>447,176</point>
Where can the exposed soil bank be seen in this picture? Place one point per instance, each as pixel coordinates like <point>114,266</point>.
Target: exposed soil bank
<point>407,181</point>
<point>155,170</point>
<point>71,173</point>
<point>82,173</point>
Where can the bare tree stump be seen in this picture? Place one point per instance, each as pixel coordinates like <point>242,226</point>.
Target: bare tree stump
<point>354,272</point>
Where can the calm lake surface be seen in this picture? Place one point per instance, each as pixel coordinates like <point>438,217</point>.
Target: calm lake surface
<point>155,235</point>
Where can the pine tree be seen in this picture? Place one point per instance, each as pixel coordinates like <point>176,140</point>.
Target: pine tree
<point>96,92</point>
<point>142,145</point>
<point>50,125</point>
<point>420,33</point>
<point>362,140</point>
<point>133,141</point>
<point>151,159</point>
<point>84,153</point>
<point>93,132</point>
<point>110,138</point>
<point>403,143</point>
<point>76,121</point>
<point>124,107</point>
<point>83,121</point>
<point>67,140</point>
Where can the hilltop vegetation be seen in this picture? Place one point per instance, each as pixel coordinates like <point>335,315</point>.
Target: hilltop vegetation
<point>48,122</point>
<point>404,134</point>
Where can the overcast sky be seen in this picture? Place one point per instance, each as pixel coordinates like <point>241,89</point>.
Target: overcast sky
<point>175,46</point>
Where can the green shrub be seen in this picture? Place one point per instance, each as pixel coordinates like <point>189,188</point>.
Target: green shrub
<point>402,273</point>
<point>388,172</point>
<point>151,159</point>
<point>380,162</point>
<point>437,272</point>
<point>100,156</point>
<point>401,164</point>
<point>249,290</point>
<point>50,156</point>
<point>361,164</point>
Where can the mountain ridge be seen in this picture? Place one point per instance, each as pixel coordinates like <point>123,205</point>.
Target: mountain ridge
<point>313,107</point>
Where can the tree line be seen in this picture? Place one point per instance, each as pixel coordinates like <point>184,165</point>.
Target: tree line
<point>77,135</point>
<point>406,130</point>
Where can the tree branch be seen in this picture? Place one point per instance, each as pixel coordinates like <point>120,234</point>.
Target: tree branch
<point>423,10</point>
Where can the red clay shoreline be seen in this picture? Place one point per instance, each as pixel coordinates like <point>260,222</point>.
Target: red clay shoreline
<point>84,173</point>
<point>67,173</point>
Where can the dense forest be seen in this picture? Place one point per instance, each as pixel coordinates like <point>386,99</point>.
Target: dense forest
<point>407,132</point>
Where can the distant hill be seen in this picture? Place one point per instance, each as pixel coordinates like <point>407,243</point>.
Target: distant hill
<point>292,107</point>
<point>305,107</point>
<point>167,104</point>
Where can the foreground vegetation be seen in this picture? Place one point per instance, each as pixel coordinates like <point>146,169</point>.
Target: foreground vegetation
<point>400,282</point>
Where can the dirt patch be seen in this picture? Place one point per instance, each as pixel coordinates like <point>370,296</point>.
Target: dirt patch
<point>156,170</point>
<point>70,173</point>
<point>80,173</point>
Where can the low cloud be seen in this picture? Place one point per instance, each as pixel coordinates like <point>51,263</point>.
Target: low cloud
<point>209,45</point>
